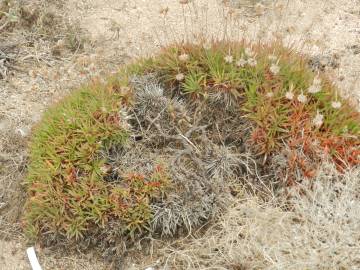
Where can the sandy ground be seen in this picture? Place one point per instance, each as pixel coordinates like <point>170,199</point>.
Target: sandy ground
<point>328,30</point>
<point>120,30</point>
<point>13,257</point>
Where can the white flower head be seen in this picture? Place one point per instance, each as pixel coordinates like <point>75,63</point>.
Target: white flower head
<point>336,104</point>
<point>229,59</point>
<point>318,120</point>
<point>316,85</point>
<point>184,57</point>
<point>302,98</point>
<point>249,52</point>
<point>275,69</point>
<point>180,77</point>
<point>314,88</point>
<point>272,57</point>
<point>241,62</point>
<point>252,62</point>
<point>289,95</point>
<point>269,94</point>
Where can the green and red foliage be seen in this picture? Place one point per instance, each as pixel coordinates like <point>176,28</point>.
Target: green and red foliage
<point>279,118</point>
<point>68,192</point>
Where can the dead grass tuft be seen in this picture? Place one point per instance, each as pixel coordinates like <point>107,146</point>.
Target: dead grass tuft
<point>30,27</point>
<point>321,226</point>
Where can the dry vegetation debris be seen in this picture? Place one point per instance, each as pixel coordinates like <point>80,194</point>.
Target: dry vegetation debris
<point>320,231</point>
<point>34,30</point>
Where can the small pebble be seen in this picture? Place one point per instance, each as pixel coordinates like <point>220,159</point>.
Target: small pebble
<point>23,132</point>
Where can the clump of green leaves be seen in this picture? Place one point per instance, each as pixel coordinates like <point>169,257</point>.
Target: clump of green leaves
<point>272,86</point>
<point>68,191</point>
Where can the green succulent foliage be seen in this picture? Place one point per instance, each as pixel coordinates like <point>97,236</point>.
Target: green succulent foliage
<point>194,83</point>
<point>68,193</point>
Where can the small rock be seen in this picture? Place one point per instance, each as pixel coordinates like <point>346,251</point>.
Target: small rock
<point>23,132</point>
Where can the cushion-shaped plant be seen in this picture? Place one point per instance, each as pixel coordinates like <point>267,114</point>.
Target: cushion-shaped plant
<point>162,145</point>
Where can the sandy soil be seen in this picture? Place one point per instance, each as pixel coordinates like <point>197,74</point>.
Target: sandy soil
<point>119,30</point>
<point>13,257</point>
<point>327,30</point>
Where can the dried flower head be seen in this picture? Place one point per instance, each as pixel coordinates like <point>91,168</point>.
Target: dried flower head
<point>318,120</point>
<point>180,77</point>
<point>316,85</point>
<point>252,62</point>
<point>184,57</point>
<point>313,89</point>
<point>249,52</point>
<point>302,98</point>
<point>275,69</point>
<point>241,62</point>
<point>229,59</point>
<point>336,104</point>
